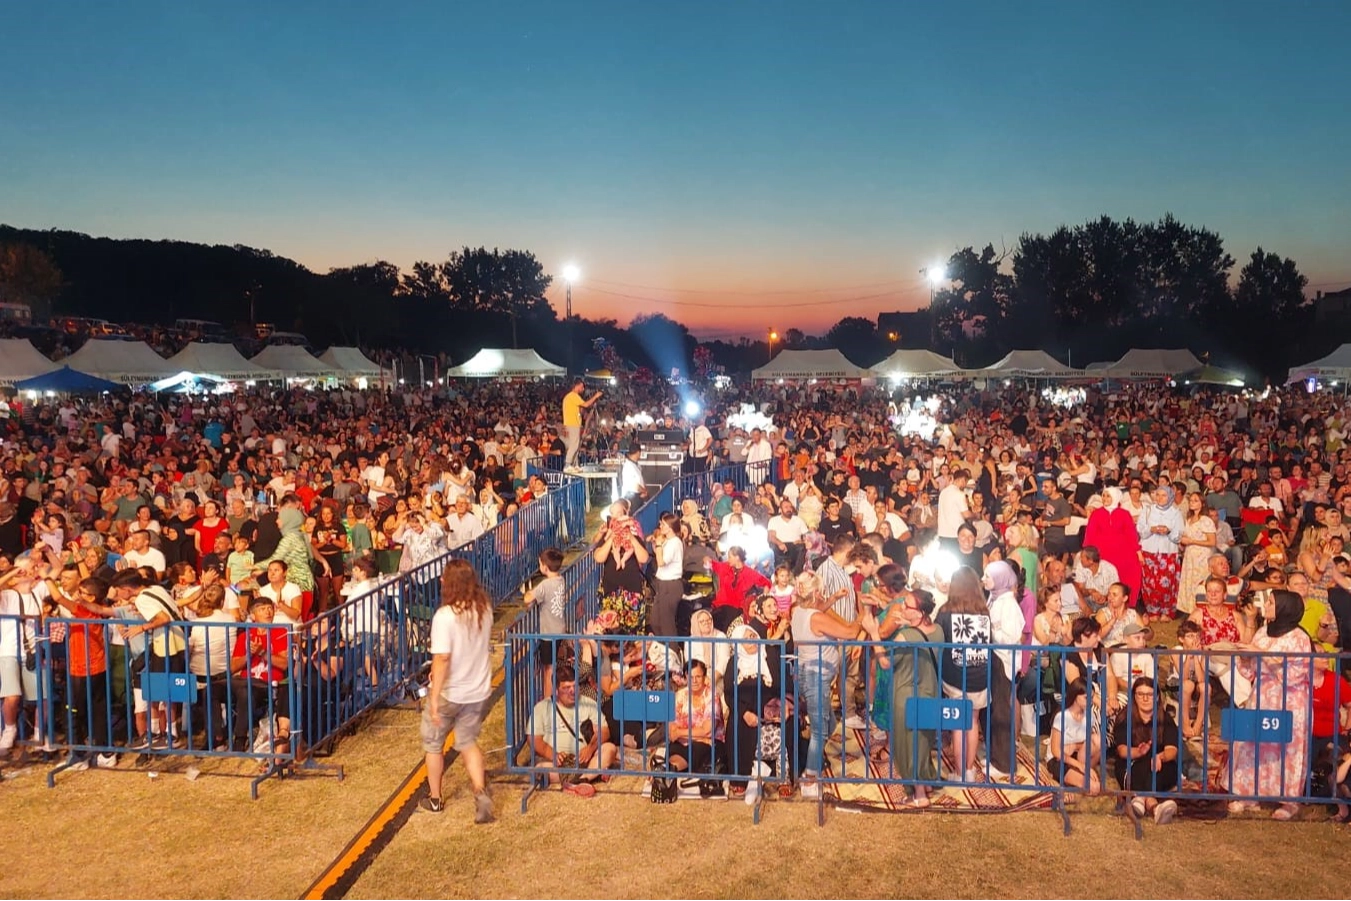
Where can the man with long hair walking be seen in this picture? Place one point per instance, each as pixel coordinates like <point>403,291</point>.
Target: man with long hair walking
<point>461,684</point>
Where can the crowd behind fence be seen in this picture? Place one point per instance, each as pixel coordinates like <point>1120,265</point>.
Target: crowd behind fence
<point>774,710</point>
<point>273,694</point>
<point>1284,743</point>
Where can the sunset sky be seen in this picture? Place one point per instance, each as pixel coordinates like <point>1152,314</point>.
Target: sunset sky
<point>733,165</point>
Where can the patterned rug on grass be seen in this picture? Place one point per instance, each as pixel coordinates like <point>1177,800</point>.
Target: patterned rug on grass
<point>879,796</point>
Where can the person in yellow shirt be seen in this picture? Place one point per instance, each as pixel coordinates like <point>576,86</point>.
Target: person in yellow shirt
<point>573,404</point>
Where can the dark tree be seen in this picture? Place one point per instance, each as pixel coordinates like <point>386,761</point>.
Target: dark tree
<point>858,339</point>
<point>28,275</point>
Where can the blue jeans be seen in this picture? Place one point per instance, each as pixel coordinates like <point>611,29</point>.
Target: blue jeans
<point>814,683</point>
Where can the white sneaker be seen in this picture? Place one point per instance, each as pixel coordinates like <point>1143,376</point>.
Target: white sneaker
<point>107,761</point>
<point>811,791</point>
<point>856,722</point>
<point>752,792</point>
<point>1138,806</point>
<point>8,736</point>
<point>1164,813</point>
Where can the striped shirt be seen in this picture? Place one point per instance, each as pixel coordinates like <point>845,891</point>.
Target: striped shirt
<point>833,578</point>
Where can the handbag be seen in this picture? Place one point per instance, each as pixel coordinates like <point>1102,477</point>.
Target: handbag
<point>665,788</point>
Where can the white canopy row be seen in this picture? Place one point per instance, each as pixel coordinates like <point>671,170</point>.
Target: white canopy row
<point>136,363</point>
<point>1336,366</point>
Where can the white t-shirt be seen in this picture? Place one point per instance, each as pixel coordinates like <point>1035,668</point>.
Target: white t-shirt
<point>14,604</point>
<point>374,477</point>
<point>898,526</point>
<point>210,642</point>
<point>1073,731</point>
<point>150,557</point>
<point>701,442</point>
<point>1130,665</point>
<point>469,645</point>
<point>462,530</point>
<point>290,594</point>
<point>630,478</point>
<point>789,531</point>
<point>952,503</point>
<point>674,553</point>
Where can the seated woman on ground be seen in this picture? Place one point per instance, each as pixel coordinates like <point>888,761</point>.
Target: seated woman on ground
<point>1073,753</point>
<point>697,734</point>
<point>1145,746</point>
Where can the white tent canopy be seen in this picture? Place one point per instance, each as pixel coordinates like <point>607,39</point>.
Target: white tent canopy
<point>808,364</point>
<point>914,364</point>
<point>492,363</point>
<point>128,362</point>
<point>1152,364</point>
<point>292,362</point>
<point>1336,365</point>
<point>20,360</point>
<point>350,361</point>
<point>1027,364</point>
<point>224,360</point>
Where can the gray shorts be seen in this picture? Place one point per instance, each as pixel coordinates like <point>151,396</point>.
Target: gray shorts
<point>16,680</point>
<point>464,719</point>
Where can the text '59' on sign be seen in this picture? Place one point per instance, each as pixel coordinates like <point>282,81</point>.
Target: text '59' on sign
<point>947,714</point>
<point>1276,726</point>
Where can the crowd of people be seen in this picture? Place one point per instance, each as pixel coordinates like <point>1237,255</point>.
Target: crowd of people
<point>1098,521</point>
<point>259,506</point>
<point>1182,552</point>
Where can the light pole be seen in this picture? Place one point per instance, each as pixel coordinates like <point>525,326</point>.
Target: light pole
<point>570,274</point>
<point>773,336</point>
<point>934,275</point>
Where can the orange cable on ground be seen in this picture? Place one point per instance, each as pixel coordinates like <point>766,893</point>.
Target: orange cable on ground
<point>339,876</point>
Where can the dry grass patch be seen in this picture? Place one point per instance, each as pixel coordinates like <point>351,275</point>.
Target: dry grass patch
<point>623,846</point>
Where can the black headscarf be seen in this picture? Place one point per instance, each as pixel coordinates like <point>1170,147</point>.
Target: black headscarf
<point>1289,611</point>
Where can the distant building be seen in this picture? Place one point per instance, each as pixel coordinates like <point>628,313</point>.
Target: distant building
<point>912,330</point>
<point>1333,309</point>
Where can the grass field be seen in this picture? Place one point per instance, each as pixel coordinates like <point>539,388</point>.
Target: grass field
<point>122,834</point>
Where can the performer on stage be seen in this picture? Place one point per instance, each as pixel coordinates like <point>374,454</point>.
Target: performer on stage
<point>573,404</point>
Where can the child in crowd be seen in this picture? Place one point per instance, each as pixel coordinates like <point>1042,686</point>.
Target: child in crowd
<point>239,566</point>
<point>783,588</point>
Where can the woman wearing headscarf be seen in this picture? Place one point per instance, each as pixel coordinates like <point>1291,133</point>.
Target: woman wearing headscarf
<point>1006,628</point>
<point>1283,682</point>
<point>913,661</point>
<point>1160,529</point>
<point>294,550</point>
<point>1111,529</point>
<point>715,653</point>
<point>754,694</point>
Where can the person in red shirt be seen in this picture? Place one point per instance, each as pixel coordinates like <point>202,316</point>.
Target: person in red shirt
<point>1331,695</point>
<point>261,661</point>
<point>86,654</point>
<point>735,582</point>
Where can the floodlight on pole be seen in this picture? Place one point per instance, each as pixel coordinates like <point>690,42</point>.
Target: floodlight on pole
<point>570,275</point>
<point>935,275</point>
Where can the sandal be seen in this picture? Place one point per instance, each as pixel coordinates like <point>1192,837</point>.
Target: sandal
<point>786,790</point>
<point>580,789</point>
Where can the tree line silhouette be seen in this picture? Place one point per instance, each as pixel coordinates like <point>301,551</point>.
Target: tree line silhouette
<point>1084,293</point>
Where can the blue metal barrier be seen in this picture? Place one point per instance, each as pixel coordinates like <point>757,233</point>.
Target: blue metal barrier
<point>1111,729</point>
<point>505,556</point>
<point>203,688</point>
<point>582,578</point>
